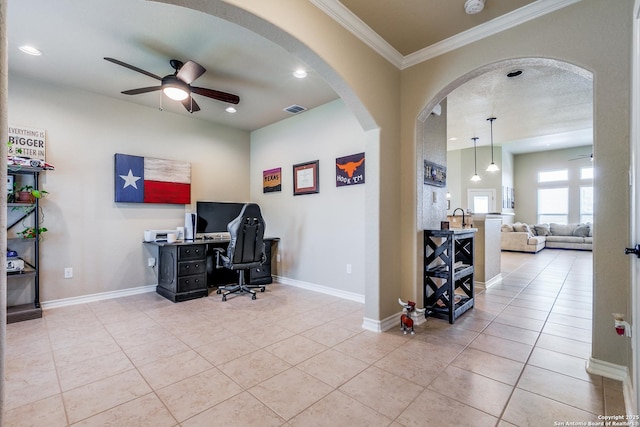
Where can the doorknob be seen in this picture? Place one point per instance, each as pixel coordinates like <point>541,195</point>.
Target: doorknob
<point>635,250</point>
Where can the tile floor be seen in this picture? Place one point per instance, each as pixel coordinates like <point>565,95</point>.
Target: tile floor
<point>299,358</point>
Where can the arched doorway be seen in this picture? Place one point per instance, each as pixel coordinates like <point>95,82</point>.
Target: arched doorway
<point>462,109</point>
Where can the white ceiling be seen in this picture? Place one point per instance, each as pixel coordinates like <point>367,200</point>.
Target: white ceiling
<point>74,36</point>
<point>544,105</point>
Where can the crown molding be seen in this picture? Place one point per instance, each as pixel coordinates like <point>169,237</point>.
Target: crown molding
<point>357,27</point>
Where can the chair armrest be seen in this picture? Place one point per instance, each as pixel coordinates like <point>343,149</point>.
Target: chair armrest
<point>219,253</point>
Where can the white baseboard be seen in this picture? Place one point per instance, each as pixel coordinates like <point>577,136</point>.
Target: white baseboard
<point>97,297</point>
<point>615,372</point>
<point>351,296</point>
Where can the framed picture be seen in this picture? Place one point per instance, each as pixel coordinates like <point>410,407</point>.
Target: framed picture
<point>272,180</point>
<point>305,178</point>
<point>435,174</point>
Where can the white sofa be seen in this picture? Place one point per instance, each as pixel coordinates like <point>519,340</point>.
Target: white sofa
<point>522,237</point>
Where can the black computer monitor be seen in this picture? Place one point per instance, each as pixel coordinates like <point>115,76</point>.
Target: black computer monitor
<point>213,217</point>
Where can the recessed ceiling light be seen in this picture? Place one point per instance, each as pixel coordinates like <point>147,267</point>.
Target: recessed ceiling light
<point>231,110</point>
<point>30,50</point>
<point>300,73</point>
<point>514,73</point>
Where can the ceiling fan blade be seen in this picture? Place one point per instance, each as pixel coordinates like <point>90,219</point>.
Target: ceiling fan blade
<point>131,67</point>
<point>215,94</point>
<point>141,90</point>
<point>190,71</point>
<point>190,104</point>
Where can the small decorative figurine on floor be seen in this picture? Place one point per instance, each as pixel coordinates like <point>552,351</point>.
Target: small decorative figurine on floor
<point>406,322</point>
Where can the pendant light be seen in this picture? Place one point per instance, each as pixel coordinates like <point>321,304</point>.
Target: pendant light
<point>475,176</point>
<point>492,167</point>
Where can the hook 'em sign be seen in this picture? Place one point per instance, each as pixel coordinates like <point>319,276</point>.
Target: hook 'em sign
<point>350,170</point>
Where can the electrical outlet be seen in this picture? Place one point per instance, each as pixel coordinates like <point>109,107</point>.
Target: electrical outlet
<point>151,262</point>
<point>348,268</point>
<point>68,273</point>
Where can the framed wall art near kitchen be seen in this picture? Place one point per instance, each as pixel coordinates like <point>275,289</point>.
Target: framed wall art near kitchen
<point>435,174</point>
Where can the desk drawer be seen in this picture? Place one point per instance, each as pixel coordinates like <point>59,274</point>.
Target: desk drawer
<point>192,283</point>
<point>191,252</point>
<point>187,268</point>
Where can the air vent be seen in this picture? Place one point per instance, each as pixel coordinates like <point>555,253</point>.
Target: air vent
<point>295,109</point>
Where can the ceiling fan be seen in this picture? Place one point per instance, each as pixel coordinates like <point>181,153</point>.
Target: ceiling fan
<point>177,86</point>
<point>584,156</point>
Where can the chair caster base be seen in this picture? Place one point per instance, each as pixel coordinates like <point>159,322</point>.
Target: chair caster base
<point>253,296</point>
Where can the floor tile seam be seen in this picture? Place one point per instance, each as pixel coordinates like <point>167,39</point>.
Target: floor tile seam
<point>558,401</point>
<point>535,344</point>
<point>302,361</point>
<point>248,390</point>
<point>487,376</point>
<point>339,390</point>
<point>471,405</point>
<point>55,365</point>
<point>565,374</point>
<point>590,329</point>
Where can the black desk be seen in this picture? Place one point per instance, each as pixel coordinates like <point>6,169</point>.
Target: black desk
<point>186,270</point>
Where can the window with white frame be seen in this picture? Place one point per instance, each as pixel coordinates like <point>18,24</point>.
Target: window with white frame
<point>553,205</point>
<point>553,176</point>
<point>586,173</point>
<point>586,204</point>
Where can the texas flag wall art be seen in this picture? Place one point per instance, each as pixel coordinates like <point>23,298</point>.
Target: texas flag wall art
<point>148,180</point>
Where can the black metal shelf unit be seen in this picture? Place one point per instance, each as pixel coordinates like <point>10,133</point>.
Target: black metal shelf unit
<point>18,213</point>
<point>448,273</point>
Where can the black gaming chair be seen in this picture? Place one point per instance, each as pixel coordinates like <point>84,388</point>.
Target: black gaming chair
<point>245,250</point>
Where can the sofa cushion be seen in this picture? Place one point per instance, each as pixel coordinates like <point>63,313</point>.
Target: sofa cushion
<point>542,229</point>
<point>536,240</point>
<point>562,229</point>
<point>565,239</point>
<point>588,239</point>
<point>506,228</point>
<point>582,230</point>
<point>522,227</point>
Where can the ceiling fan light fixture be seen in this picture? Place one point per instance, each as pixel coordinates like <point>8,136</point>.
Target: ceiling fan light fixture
<point>231,110</point>
<point>175,88</point>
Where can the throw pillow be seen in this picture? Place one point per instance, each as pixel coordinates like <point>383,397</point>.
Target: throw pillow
<point>542,229</point>
<point>582,230</point>
<point>590,229</point>
<point>520,227</point>
<point>506,228</point>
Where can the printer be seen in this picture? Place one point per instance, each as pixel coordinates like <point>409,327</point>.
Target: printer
<point>159,235</point>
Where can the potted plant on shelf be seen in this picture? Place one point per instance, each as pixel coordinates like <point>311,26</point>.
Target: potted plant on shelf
<point>27,194</point>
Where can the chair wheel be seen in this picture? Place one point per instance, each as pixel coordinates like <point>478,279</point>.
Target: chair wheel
<point>262,289</point>
<point>253,296</point>
<point>218,291</point>
<point>224,297</point>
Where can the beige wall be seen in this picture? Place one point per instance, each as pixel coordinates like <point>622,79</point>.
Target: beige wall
<point>596,36</point>
<point>100,239</point>
<point>369,85</point>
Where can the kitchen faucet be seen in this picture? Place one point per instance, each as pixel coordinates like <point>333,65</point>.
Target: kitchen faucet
<point>454,214</point>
